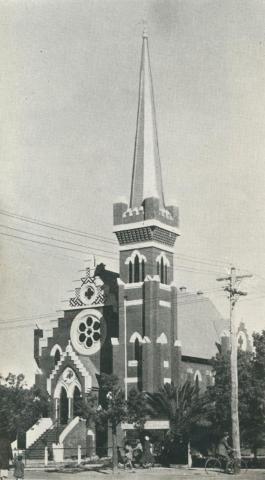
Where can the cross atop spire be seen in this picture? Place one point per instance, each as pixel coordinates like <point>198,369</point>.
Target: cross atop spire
<point>146,177</point>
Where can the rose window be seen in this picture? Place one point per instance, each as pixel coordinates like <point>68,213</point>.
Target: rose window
<point>87,331</point>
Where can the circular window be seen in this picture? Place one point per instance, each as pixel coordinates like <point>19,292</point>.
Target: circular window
<point>86,332</point>
<point>88,293</point>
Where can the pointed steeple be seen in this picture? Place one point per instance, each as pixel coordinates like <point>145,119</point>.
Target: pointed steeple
<point>146,177</point>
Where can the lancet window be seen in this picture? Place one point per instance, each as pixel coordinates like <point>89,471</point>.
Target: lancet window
<point>56,353</point>
<point>57,356</point>
<point>136,267</point>
<point>162,268</point>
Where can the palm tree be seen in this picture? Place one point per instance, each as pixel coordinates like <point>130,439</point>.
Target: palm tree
<point>183,407</point>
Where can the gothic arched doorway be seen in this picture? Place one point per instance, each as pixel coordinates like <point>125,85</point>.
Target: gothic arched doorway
<point>77,402</point>
<point>63,407</point>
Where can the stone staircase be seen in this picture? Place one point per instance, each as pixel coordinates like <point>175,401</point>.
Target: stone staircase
<point>37,449</point>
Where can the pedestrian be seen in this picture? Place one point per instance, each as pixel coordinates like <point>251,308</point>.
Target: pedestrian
<point>148,458</point>
<point>5,456</point>
<point>120,457</point>
<point>19,468</point>
<point>138,452</point>
<point>128,456</point>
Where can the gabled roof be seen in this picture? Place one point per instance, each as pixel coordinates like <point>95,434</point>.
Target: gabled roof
<point>200,326</point>
<point>146,177</point>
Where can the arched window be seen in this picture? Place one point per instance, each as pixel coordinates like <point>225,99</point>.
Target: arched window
<point>130,272</point>
<point>63,407</point>
<point>56,352</point>
<point>162,273</point>
<point>57,356</point>
<point>136,269</point>
<point>197,377</point>
<point>143,270</point>
<point>136,349</point>
<point>77,402</point>
<point>162,266</point>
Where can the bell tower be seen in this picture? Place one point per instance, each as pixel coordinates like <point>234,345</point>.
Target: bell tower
<point>146,230</point>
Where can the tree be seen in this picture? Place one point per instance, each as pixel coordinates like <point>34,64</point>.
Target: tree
<point>251,395</point>
<point>182,406</point>
<point>256,426</point>
<point>138,410</point>
<point>109,408</point>
<point>20,406</point>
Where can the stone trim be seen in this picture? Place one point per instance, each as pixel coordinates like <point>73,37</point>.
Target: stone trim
<point>134,302</point>
<point>167,380</point>
<point>162,339</point>
<point>148,244</point>
<point>131,380</point>
<point>133,363</point>
<point>146,223</point>
<point>133,285</point>
<point>163,286</point>
<point>163,303</point>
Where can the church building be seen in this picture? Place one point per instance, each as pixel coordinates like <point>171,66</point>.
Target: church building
<point>137,324</point>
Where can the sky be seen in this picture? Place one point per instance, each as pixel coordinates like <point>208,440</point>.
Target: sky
<point>68,89</point>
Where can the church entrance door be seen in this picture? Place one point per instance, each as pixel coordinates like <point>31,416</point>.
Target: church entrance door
<point>63,407</point>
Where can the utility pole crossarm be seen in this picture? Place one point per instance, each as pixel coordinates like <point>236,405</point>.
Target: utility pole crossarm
<point>223,279</point>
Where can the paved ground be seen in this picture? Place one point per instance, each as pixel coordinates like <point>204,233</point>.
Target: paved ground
<point>156,473</point>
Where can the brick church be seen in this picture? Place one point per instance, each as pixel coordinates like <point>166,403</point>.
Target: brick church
<point>137,324</point>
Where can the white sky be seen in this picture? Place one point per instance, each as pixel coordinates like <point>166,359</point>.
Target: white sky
<point>69,86</point>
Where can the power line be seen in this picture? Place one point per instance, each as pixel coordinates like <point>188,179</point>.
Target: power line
<point>179,267</point>
<point>54,239</point>
<point>49,244</point>
<point>32,320</point>
<point>52,314</point>
<point>56,226</point>
<point>215,262</point>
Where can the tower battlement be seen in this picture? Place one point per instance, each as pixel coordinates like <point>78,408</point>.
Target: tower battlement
<point>150,209</point>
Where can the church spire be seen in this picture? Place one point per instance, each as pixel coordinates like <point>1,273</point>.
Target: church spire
<point>146,177</point>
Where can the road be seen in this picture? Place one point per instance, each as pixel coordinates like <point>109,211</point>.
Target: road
<point>139,474</point>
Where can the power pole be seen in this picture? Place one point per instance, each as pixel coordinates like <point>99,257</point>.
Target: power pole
<point>234,294</point>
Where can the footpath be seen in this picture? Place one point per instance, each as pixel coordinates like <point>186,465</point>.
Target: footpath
<point>140,474</point>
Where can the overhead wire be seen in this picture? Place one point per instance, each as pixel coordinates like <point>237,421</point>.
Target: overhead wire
<point>115,257</point>
<point>208,260</point>
<point>5,325</point>
<point>56,226</point>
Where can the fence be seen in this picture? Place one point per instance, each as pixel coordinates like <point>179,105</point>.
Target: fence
<point>57,454</point>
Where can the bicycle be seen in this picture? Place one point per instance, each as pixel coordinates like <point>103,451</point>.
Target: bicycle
<point>232,463</point>
<point>216,465</point>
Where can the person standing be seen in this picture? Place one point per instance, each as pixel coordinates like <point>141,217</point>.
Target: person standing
<point>138,452</point>
<point>19,468</point>
<point>5,456</point>
<point>128,456</point>
<point>148,458</point>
